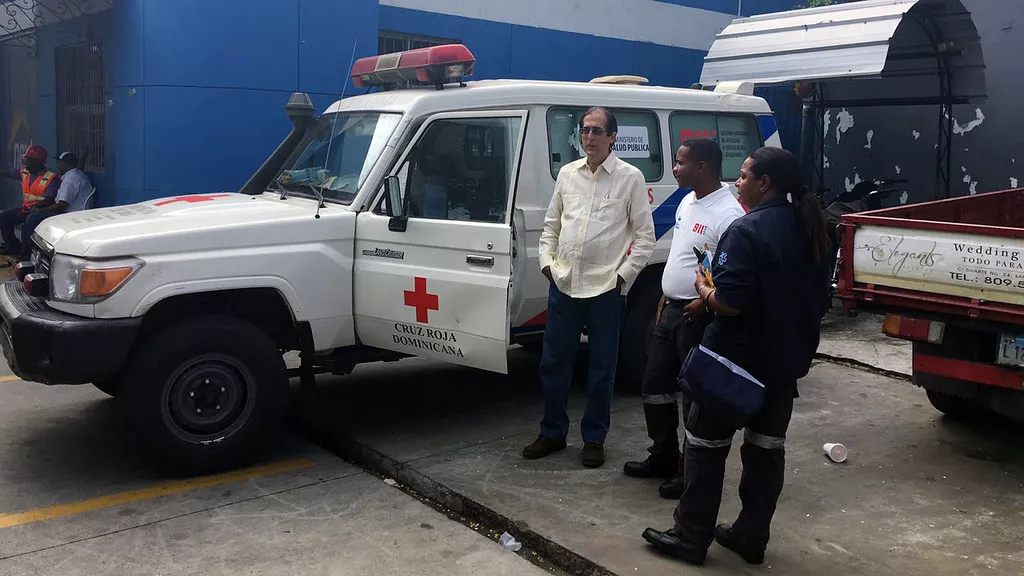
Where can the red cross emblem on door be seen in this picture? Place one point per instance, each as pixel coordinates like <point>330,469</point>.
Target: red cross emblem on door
<point>192,199</point>
<point>422,301</point>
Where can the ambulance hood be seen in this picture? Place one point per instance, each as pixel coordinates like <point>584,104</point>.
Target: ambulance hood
<point>195,223</point>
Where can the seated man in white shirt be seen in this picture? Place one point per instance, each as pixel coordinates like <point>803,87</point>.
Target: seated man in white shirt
<point>72,196</point>
<point>598,211</point>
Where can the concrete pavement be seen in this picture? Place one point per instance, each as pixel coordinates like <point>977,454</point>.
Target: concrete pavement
<point>919,495</point>
<point>860,340</point>
<point>77,498</point>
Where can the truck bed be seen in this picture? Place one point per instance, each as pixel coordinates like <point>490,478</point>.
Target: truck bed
<point>962,256</point>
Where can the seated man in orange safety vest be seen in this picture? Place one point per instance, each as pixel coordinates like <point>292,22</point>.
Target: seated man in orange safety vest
<point>37,184</point>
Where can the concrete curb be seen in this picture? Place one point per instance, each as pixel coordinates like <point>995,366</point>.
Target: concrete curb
<point>443,497</point>
<point>858,365</point>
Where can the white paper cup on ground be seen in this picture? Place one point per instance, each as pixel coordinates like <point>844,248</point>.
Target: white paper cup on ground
<point>835,451</point>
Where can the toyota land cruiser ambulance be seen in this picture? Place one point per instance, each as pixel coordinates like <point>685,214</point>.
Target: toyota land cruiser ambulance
<point>402,222</point>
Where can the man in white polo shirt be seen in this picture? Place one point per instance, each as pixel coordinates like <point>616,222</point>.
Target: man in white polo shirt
<point>701,218</point>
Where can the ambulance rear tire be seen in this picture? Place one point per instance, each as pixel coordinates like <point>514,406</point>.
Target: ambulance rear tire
<point>206,394</point>
<point>637,328</point>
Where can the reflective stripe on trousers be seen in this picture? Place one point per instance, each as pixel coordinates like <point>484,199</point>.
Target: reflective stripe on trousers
<point>661,398</point>
<point>763,441</point>
<point>749,436</point>
<point>702,443</point>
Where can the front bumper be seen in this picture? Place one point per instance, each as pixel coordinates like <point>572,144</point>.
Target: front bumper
<point>52,347</point>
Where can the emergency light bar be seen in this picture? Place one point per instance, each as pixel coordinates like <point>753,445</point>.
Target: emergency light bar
<point>435,65</point>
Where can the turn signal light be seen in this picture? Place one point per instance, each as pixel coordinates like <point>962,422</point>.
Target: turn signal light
<point>103,282</point>
<point>22,269</point>
<point>913,329</point>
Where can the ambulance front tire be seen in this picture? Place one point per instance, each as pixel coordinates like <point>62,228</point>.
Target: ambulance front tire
<point>637,328</point>
<point>206,394</point>
<point>108,386</point>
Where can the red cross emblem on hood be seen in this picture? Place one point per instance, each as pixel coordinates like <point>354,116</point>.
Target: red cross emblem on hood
<point>192,199</point>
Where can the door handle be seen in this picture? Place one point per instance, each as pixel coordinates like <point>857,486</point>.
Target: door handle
<point>479,260</point>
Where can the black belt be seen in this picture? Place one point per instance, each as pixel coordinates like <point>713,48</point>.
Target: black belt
<point>679,303</point>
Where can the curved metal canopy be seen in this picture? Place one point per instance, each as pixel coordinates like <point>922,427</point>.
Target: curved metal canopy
<point>869,49</point>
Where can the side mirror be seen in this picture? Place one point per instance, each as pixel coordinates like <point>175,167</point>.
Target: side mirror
<point>395,204</point>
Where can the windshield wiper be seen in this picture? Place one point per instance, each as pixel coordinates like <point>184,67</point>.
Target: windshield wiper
<point>319,198</point>
<point>280,188</point>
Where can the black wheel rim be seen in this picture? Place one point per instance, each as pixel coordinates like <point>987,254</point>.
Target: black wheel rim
<point>208,398</point>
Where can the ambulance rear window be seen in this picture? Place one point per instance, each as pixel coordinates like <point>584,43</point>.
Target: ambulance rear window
<point>638,141</point>
<point>737,134</point>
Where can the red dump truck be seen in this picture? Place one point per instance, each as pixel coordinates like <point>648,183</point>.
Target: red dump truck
<point>949,275</point>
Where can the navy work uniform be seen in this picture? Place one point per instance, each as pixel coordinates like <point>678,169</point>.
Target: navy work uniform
<point>763,268</point>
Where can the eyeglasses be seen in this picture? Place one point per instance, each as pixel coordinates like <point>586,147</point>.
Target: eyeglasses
<point>595,130</point>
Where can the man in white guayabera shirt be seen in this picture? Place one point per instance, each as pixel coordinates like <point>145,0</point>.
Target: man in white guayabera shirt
<point>598,235</point>
<point>702,217</point>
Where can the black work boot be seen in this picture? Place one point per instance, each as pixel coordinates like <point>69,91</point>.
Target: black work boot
<point>650,468</point>
<point>669,543</point>
<point>672,489</point>
<point>726,537</point>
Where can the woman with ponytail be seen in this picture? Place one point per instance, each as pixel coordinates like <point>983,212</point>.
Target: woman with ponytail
<point>768,290</point>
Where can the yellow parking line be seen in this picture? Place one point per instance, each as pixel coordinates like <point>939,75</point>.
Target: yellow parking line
<point>8,378</point>
<point>8,520</point>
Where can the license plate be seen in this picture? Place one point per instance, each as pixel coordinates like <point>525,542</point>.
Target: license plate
<point>1011,350</point>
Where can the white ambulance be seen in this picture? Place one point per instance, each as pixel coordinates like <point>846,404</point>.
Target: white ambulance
<point>402,222</point>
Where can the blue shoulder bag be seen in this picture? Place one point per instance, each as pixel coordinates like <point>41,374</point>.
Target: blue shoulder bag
<point>717,384</point>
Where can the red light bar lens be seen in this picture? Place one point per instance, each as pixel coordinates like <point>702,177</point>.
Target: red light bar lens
<point>434,65</point>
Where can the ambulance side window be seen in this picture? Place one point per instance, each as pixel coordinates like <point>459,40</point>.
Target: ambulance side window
<point>638,141</point>
<point>737,134</point>
<point>461,169</point>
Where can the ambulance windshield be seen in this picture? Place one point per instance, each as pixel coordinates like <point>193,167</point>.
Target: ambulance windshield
<point>338,154</point>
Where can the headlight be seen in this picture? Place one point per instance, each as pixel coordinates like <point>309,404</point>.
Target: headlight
<point>85,281</point>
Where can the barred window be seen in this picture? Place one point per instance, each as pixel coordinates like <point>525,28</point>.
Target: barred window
<point>81,112</point>
<point>389,42</point>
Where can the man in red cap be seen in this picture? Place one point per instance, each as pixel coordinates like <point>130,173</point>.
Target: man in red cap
<point>37,185</point>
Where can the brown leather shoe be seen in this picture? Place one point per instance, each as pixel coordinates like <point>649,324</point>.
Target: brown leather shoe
<point>543,446</point>
<point>593,455</point>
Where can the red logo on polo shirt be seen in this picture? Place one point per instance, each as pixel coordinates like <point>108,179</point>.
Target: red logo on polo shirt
<point>699,228</point>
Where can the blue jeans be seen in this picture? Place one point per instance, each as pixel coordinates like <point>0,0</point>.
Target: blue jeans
<point>602,315</point>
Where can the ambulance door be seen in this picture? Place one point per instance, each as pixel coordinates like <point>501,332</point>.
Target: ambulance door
<point>433,258</point>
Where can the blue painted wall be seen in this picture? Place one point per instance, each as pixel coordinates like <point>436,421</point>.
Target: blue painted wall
<point>512,51</point>
<point>750,7</point>
<point>49,38</point>
<point>199,87</point>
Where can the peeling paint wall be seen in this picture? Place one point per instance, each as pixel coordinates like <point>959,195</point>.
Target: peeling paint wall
<point>872,143</point>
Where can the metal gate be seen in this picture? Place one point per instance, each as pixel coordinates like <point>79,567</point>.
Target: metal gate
<point>81,112</point>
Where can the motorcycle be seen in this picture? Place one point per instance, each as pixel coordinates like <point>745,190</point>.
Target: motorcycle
<point>864,197</point>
